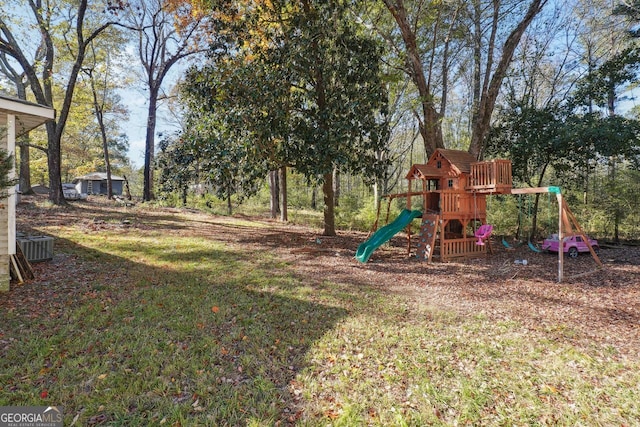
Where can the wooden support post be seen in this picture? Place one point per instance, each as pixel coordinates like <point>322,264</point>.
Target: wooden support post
<point>388,211</point>
<point>560,237</point>
<point>409,239</point>
<point>573,219</point>
<point>424,197</point>
<point>565,220</point>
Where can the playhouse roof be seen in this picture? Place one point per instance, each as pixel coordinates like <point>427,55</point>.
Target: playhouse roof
<point>423,172</point>
<point>459,159</point>
<point>460,163</point>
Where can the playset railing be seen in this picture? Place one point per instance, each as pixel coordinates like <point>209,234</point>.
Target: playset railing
<point>493,176</point>
<point>465,203</point>
<point>455,248</point>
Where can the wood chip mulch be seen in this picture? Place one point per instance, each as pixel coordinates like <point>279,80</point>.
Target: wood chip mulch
<point>601,308</point>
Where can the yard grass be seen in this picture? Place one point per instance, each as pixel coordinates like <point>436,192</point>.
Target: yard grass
<point>158,324</point>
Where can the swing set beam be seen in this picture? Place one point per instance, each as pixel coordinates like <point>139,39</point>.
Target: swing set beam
<point>565,220</point>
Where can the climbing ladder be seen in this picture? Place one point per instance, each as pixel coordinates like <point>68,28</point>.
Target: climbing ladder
<point>427,237</point>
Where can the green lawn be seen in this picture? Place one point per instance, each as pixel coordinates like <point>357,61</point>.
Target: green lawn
<point>162,323</point>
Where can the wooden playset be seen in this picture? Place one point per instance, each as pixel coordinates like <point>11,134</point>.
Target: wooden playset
<point>452,188</point>
<point>451,192</point>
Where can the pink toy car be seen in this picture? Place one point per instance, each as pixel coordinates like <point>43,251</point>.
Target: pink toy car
<point>572,245</point>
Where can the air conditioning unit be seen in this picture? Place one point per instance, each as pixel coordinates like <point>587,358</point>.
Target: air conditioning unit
<point>36,248</point>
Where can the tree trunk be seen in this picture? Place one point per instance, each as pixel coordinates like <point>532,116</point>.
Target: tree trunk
<point>25,167</point>
<point>329,212</point>
<point>376,195</point>
<point>98,108</point>
<point>617,214</point>
<point>520,215</point>
<point>56,196</point>
<point>491,88</point>
<point>108,169</point>
<point>534,220</point>
<point>284,215</point>
<point>149,146</point>
<point>277,191</point>
<point>585,191</point>
<point>445,64</point>
<point>314,198</point>
<point>273,194</point>
<point>229,210</point>
<point>616,206</point>
<point>477,59</point>
<point>336,187</point>
<point>430,123</point>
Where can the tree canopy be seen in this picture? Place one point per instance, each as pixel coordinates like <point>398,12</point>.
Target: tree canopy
<point>311,96</point>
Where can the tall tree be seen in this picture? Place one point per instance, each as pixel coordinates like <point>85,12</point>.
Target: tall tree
<point>168,32</point>
<point>496,66</point>
<point>420,62</point>
<point>311,98</point>
<point>48,18</point>
<point>103,82</point>
<point>497,27</point>
<point>536,140</point>
<point>609,134</point>
<point>339,99</point>
<point>224,127</point>
<point>547,63</point>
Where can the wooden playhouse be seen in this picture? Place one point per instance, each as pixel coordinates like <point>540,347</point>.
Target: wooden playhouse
<point>451,190</point>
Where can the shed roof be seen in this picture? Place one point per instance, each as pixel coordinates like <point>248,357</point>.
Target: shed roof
<point>28,115</point>
<point>97,176</point>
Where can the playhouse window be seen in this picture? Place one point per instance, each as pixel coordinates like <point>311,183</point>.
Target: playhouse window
<point>439,164</point>
<point>450,183</point>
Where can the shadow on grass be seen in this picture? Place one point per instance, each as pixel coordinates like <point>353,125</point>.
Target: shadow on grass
<point>211,335</point>
<point>123,343</point>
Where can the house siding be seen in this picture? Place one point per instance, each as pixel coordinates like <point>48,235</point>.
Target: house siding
<point>4,247</point>
<point>6,211</point>
<point>100,187</point>
<point>16,118</point>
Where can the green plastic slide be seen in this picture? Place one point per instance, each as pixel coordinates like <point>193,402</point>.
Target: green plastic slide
<point>385,234</point>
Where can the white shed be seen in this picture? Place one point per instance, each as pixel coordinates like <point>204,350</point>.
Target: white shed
<point>17,117</point>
